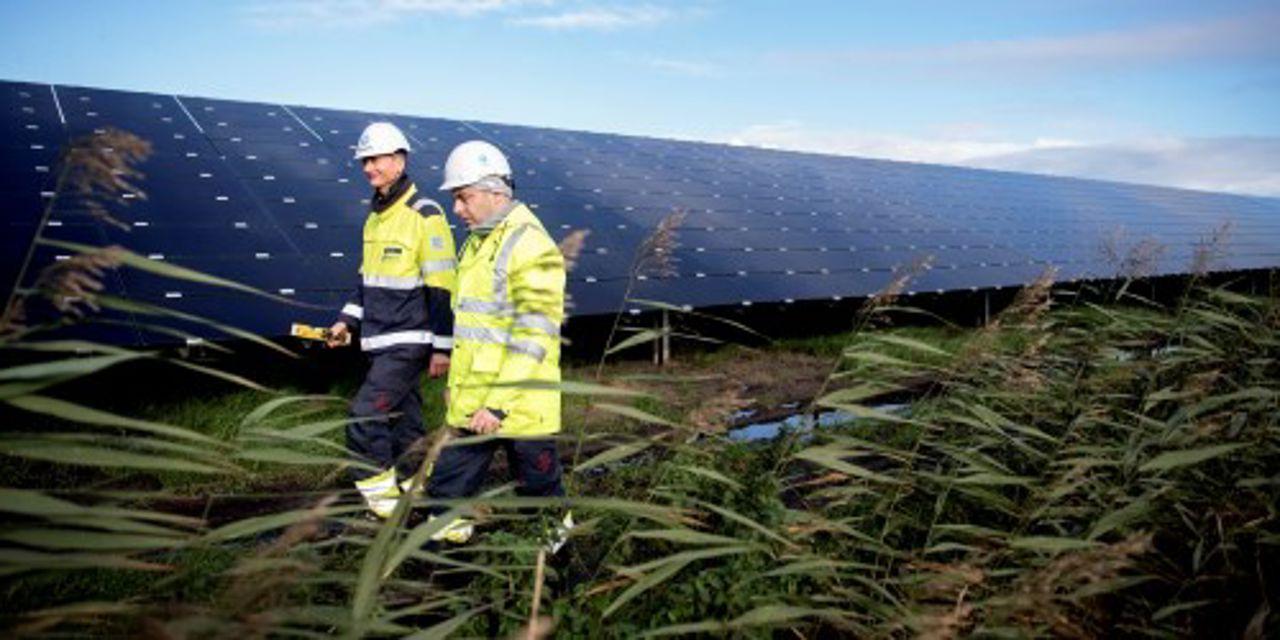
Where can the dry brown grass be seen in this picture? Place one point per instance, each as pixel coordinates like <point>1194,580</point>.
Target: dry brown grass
<point>656,255</point>
<point>93,169</point>
<point>1130,259</point>
<point>713,414</point>
<point>102,167</point>
<point>1046,596</point>
<point>706,393</point>
<point>1210,251</point>
<point>1025,314</point>
<point>571,247</point>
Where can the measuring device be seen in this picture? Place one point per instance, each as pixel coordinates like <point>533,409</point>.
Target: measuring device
<point>320,334</point>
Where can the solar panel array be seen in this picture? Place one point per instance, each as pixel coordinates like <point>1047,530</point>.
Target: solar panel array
<point>268,195</point>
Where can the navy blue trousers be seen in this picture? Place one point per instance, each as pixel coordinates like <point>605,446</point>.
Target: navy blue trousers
<point>391,400</point>
<point>460,470</point>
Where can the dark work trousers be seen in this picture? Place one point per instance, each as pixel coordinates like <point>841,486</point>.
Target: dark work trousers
<point>392,385</point>
<point>460,470</point>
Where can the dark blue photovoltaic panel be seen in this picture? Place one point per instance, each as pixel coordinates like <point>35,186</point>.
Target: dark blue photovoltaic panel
<point>268,194</point>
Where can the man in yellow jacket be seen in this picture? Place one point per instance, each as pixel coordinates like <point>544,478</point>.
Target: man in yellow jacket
<point>506,355</point>
<point>402,309</point>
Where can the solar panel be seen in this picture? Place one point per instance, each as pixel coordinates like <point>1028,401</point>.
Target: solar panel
<point>267,194</point>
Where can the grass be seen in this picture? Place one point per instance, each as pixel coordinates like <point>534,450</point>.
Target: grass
<point>1057,452</point>
<point>1068,472</point>
<point>1072,469</point>
<point>829,346</point>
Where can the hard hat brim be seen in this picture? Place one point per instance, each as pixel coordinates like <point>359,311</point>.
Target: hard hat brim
<point>369,154</point>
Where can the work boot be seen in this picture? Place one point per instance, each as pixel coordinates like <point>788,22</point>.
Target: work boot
<point>459,531</point>
<point>407,488</point>
<point>407,483</point>
<point>380,493</point>
<point>558,538</point>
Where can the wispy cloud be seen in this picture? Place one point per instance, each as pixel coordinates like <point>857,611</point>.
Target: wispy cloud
<point>692,68</point>
<point>551,15</point>
<point>359,13</point>
<point>598,18</point>
<point>794,135</point>
<point>1246,165</point>
<point>1246,37</point>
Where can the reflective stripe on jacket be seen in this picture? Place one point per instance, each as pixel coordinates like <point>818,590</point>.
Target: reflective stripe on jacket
<point>408,274</point>
<point>508,310</point>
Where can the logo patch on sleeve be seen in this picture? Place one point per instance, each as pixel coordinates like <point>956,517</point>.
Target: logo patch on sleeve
<point>391,252</point>
<point>437,243</point>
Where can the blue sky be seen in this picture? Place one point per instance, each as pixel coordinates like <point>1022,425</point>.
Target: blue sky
<point>1172,92</point>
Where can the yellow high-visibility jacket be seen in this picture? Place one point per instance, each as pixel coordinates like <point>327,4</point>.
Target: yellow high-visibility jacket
<point>408,273</point>
<point>507,316</point>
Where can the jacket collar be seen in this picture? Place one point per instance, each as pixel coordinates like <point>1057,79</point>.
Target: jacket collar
<point>485,228</point>
<point>379,203</point>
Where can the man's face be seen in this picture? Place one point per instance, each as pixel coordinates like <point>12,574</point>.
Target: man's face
<point>474,206</point>
<point>382,171</point>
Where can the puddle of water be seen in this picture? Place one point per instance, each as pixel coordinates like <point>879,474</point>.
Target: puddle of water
<point>803,423</point>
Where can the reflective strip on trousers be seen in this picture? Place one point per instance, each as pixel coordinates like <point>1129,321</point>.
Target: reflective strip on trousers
<point>393,282</point>
<point>442,342</point>
<point>397,338</point>
<point>355,311</point>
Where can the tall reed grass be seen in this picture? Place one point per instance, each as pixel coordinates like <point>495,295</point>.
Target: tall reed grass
<point>1073,469</point>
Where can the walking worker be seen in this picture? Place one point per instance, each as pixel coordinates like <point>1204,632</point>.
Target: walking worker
<point>506,356</point>
<point>402,310</point>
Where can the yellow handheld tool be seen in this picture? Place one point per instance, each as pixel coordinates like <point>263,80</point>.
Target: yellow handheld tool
<point>308,332</point>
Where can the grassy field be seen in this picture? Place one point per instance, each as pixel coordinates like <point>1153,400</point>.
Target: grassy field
<point>1070,470</point>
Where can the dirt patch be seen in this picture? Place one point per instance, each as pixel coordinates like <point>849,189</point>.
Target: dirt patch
<point>709,391</point>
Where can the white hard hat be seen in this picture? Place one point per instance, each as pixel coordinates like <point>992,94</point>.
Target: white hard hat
<point>472,161</point>
<point>381,138</point>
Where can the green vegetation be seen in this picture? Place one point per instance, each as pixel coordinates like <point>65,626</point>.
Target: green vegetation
<point>1072,469</point>
<point>1080,471</point>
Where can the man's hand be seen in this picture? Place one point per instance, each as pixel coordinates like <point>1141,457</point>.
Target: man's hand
<point>439,365</point>
<point>339,335</point>
<point>484,422</point>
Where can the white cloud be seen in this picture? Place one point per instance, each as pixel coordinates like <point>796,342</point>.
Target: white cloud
<point>598,18</point>
<point>795,136</point>
<point>1246,165</point>
<point>456,7</point>
<point>690,68</point>
<point>360,13</point>
<point>1242,37</point>
<point>583,16</point>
